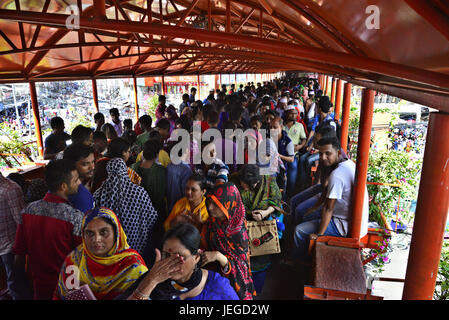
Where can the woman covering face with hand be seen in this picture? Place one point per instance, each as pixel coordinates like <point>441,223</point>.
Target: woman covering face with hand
<point>103,261</point>
<point>176,274</point>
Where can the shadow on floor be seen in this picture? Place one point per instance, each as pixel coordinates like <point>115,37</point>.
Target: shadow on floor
<point>284,282</point>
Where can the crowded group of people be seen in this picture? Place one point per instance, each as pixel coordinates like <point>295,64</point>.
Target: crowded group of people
<point>408,139</point>
<point>117,212</point>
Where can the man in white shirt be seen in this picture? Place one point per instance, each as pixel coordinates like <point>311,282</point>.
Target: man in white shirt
<point>116,122</point>
<point>335,217</point>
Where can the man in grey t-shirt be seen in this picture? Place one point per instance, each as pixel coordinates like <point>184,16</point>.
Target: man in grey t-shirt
<point>335,215</point>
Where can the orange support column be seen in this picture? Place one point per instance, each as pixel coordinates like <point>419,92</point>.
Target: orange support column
<point>163,85</point>
<point>333,91</point>
<point>337,108</point>
<point>95,95</point>
<point>363,146</point>
<point>99,8</point>
<point>217,85</point>
<point>198,85</point>
<point>431,213</point>
<point>136,100</point>
<point>37,121</point>
<point>326,85</point>
<point>345,116</point>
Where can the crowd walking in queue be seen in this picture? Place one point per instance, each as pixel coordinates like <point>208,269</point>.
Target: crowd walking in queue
<point>116,217</point>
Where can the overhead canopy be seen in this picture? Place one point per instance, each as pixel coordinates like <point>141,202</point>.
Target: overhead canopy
<point>43,40</point>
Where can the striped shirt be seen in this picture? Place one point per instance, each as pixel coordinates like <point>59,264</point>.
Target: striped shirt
<point>11,204</point>
<point>217,170</point>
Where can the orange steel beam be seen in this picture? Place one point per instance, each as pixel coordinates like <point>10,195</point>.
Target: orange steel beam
<point>432,100</point>
<point>338,100</point>
<point>187,13</point>
<point>345,117</point>
<point>431,213</point>
<point>265,45</point>
<point>299,32</point>
<point>184,16</point>
<point>363,147</point>
<point>95,95</point>
<point>432,15</point>
<point>37,120</point>
<point>324,26</point>
<point>58,35</point>
<point>99,8</point>
<point>244,21</point>
<point>295,62</point>
<point>228,16</point>
<point>209,15</point>
<point>326,85</point>
<point>136,100</point>
<point>334,81</point>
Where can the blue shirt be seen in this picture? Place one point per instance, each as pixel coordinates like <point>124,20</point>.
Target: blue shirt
<point>316,121</point>
<point>83,200</point>
<point>285,145</point>
<point>177,176</point>
<point>217,287</point>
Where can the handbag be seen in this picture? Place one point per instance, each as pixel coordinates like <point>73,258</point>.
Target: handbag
<point>263,236</point>
<point>83,293</point>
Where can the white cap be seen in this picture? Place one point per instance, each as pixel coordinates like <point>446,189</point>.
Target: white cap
<point>289,107</point>
<point>283,100</point>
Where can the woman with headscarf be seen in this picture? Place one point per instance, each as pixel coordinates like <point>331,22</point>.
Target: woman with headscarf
<point>226,232</point>
<point>262,198</point>
<point>104,261</point>
<point>131,203</point>
<point>117,148</point>
<point>172,116</point>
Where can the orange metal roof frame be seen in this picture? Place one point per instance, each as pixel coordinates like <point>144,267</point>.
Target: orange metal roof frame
<point>407,55</point>
<point>408,52</point>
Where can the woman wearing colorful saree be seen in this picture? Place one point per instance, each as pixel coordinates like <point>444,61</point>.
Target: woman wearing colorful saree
<point>261,196</point>
<point>104,260</point>
<point>226,232</point>
<point>192,207</point>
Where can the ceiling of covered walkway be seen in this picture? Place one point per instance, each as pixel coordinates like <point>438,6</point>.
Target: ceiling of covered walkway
<point>399,43</point>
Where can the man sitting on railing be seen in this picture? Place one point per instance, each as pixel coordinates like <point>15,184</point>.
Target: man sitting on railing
<point>335,214</point>
<point>56,141</point>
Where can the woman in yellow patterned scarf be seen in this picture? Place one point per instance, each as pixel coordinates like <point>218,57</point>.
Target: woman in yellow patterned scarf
<point>104,261</point>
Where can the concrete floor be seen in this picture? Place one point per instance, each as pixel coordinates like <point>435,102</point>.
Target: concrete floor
<point>396,268</point>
